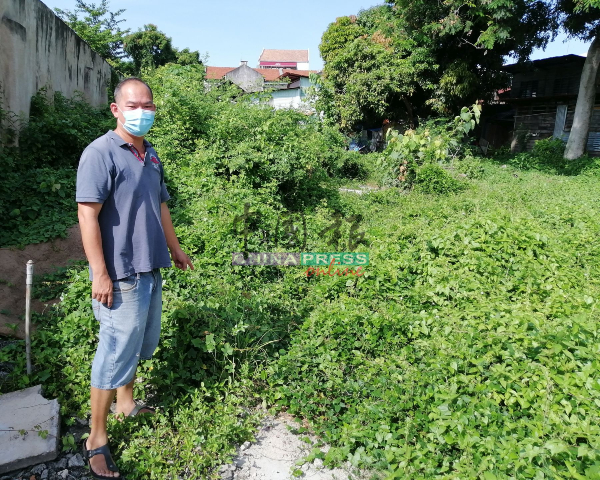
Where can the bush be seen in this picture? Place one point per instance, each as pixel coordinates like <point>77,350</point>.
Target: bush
<point>353,165</point>
<point>58,130</point>
<point>438,141</point>
<point>434,179</point>
<point>36,205</point>
<point>547,155</point>
<point>241,138</point>
<point>467,349</point>
<point>37,192</point>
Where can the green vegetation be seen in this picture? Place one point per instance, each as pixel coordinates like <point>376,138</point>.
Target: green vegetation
<point>407,59</point>
<point>418,157</point>
<point>38,185</point>
<point>467,350</point>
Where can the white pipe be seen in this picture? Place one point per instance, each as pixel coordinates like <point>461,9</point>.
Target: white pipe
<point>29,283</point>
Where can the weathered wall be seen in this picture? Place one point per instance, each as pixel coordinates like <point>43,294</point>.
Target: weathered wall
<point>246,78</point>
<point>38,49</point>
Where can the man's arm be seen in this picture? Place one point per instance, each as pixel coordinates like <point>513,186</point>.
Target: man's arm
<point>180,258</point>
<point>102,287</point>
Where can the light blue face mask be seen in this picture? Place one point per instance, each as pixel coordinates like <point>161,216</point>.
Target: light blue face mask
<point>138,122</point>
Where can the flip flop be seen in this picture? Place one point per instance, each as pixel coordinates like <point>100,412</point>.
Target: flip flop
<point>135,411</point>
<point>105,451</point>
<point>139,407</point>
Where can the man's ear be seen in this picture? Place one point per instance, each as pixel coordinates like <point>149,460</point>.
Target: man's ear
<point>114,109</point>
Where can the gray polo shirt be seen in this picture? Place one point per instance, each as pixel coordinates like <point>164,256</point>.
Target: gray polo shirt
<point>131,193</point>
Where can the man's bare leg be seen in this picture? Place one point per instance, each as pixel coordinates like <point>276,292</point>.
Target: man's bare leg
<point>125,402</point>
<point>100,400</point>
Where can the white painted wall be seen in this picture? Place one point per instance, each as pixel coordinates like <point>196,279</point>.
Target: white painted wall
<point>292,97</point>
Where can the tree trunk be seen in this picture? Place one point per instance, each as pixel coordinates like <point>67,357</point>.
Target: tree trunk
<point>409,110</point>
<point>585,103</point>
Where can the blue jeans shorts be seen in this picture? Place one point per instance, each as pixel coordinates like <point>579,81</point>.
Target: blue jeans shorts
<point>129,329</point>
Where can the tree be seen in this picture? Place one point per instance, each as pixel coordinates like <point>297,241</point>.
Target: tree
<point>413,57</point>
<point>469,41</point>
<point>99,27</point>
<point>371,72</point>
<point>150,48</point>
<point>187,57</point>
<point>127,52</point>
<point>515,27</point>
<point>581,19</point>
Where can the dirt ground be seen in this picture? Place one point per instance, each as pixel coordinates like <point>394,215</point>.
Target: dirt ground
<point>47,256</point>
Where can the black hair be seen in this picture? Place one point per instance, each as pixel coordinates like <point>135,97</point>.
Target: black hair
<point>117,92</point>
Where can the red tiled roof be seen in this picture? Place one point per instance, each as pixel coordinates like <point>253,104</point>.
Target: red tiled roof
<point>213,73</point>
<point>283,56</point>
<point>269,74</point>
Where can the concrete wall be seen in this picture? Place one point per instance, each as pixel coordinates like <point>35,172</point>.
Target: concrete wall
<point>246,78</point>
<point>38,49</point>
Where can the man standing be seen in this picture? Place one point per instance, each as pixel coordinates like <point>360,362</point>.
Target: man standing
<point>127,234</point>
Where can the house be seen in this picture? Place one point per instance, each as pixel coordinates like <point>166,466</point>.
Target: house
<point>287,86</point>
<point>543,95</point>
<point>247,78</point>
<point>291,59</point>
<point>294,95</point>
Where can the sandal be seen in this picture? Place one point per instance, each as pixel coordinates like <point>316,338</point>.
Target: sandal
<point>139,407</point>
<point>103,450</point>
<point>135,411</point>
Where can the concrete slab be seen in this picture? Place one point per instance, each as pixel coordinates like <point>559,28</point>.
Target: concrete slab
<point>22,415</point>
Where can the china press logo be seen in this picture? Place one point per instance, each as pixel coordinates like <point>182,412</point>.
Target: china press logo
<point>318,263</point>
<point>291,231</point>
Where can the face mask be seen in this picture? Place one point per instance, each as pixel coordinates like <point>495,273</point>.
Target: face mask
<point>138,122</point>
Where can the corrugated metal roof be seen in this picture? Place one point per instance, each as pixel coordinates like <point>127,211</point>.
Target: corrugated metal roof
<point>543,62</point>
<point>288,72</point>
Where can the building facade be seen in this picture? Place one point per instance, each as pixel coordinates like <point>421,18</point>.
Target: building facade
<point>286,86</point>
<point>288,59</point>
<point>544,94</point>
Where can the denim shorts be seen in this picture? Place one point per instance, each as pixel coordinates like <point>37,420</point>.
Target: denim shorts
<point>129,329</point>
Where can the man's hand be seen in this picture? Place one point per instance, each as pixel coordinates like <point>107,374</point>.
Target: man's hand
<point>181,259</point>
<point>102,289</point>
<point>102,286</point>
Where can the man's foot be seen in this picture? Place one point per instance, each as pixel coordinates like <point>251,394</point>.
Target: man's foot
<point>132,409</point>
<point>100,462</point>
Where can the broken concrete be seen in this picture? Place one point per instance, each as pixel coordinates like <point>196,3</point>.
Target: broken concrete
<point>23,415</point>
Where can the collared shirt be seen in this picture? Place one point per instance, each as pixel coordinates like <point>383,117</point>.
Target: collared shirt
<point>131,190</point>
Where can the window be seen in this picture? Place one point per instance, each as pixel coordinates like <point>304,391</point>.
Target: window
<point>565,85</point>
<point>529,89</point>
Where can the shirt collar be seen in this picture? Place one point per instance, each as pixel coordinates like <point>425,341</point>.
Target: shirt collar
<point>120,142</point>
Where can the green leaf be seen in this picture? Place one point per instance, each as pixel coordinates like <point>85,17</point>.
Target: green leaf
<point>210,342</point>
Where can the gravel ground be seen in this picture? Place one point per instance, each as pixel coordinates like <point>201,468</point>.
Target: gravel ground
<point>66,467</point>
<point>274,455</point>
